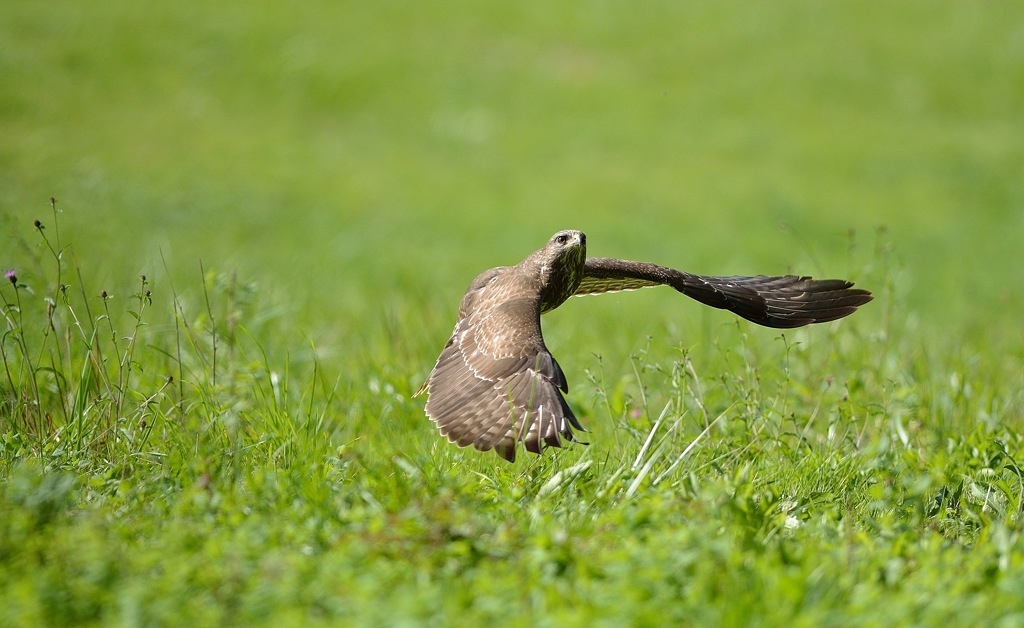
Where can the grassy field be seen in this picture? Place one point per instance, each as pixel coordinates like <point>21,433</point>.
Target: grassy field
<point>265,216</point>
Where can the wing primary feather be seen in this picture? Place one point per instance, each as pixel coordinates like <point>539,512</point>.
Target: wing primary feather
<point>773,301</point>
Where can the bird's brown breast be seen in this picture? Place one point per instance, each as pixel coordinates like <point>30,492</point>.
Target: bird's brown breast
<point>562,278</point>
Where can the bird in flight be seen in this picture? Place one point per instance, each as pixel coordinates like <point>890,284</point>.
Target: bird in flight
<point>495,382</point>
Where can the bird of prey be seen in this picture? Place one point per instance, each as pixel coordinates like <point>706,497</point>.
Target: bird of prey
<point>495,382</point>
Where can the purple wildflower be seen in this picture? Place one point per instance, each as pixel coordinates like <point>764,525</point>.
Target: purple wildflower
<point>11,276</point>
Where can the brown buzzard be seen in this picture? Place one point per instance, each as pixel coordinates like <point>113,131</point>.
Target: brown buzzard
<point>495,383</point>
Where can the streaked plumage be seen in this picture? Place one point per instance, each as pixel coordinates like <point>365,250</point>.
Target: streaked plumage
<point>495,383</point>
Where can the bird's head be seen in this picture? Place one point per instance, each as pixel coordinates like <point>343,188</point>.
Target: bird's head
<point>567,238</point>
<point>565,250</point>
<point>561,266</point>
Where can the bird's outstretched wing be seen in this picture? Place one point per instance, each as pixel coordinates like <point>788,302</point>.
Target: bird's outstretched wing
<point>495,382</point>
<point>783,302</point>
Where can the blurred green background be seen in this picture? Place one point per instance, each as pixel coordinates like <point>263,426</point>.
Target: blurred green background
<point>357,159</point>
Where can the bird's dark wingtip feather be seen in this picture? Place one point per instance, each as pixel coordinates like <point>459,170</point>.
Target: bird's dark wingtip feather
<point>508,452</point>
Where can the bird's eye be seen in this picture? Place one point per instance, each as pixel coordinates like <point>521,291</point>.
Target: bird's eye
<point>562,238</point>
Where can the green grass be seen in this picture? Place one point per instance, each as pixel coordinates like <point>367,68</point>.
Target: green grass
<point>233,439</point>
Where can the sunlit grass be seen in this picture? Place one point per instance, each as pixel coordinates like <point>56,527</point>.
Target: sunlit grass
<point>162,465</point>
